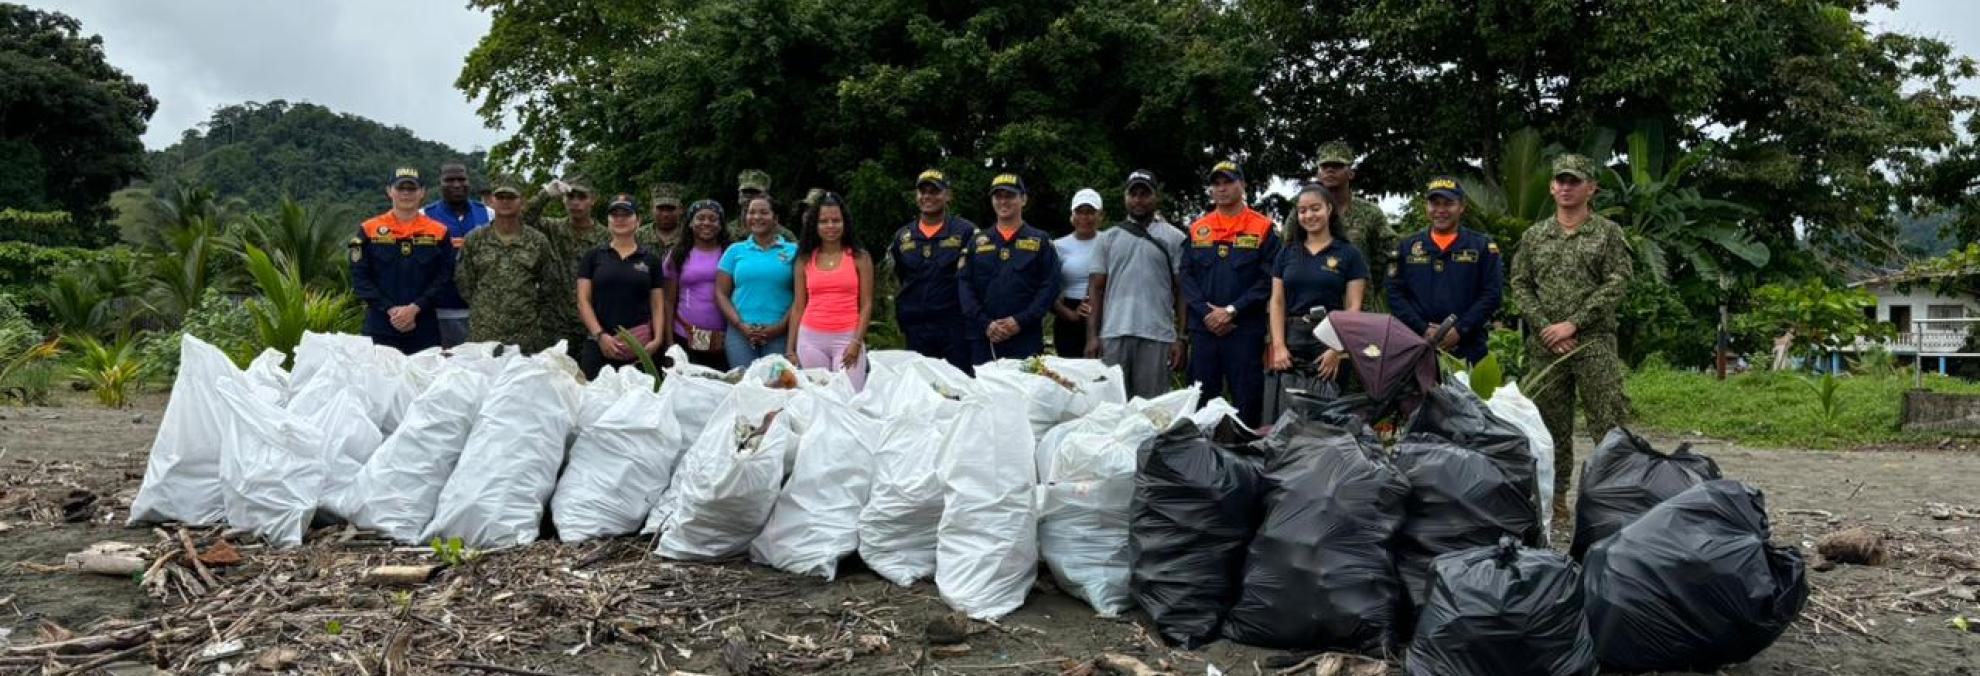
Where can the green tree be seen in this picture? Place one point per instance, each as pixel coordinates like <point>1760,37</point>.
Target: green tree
<point>69,121</point>
<point>312,242</point>
<point>1809,106</point>
<point>1071,93</point>
<point>1821,318</point>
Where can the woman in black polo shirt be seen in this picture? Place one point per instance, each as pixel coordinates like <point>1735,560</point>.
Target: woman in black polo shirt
<point>1316,268</point>
<point>620,286</point>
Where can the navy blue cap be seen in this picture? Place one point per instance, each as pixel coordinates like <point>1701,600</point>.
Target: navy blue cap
<point>622,201</point>
<point>404,175</point>
<point>1446,186</point>
<point>1227,169</point>
<point>1009,182</point>
<point>1143,177</point>
<point>933,177</point>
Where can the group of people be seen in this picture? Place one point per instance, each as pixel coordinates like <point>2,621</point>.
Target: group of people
<point>1215,300</point>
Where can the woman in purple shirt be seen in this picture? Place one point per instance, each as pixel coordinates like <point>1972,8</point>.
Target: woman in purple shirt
<point>698,321</point>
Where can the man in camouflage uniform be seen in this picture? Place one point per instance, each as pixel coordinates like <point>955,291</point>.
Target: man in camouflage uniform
<point>511,273</point>
<point>665,231</point>
<point>1362,221</point>
<point>1571,272</point>
<point>570,237</point>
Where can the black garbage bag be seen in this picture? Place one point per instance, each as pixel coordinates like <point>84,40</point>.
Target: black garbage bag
<point>1194,509</point>
<point>1624,478</point>
<point>1693,584</point>
<point>1471,480</point>
<point>1320,574</point>
<point>1503,609</point>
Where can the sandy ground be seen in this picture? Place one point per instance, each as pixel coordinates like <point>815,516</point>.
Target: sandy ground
<point>1890,619</point>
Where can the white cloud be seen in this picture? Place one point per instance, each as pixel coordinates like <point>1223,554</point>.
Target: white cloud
<point>394,62</point>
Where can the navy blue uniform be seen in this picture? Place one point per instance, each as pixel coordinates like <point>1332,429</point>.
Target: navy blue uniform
<point>1228,264</point>
<point>1016,277</point>
<point>928,306</point>
<point>395,263</point>
<point>1427,284</point>
<point>1318,279</point>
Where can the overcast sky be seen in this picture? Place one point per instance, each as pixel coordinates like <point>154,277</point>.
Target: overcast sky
<point>395,61</point>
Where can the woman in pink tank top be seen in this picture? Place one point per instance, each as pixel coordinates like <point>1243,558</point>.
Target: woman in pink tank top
<point>833,298</point>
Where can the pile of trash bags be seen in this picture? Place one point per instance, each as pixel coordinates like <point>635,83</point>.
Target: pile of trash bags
<point>1472,480</point>
<point>928,473</point>
<point>1624,478</point>
<point>1313,537</point>
<point>1693,584</point>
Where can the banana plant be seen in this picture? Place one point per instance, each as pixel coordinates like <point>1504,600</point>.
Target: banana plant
<point>1669,224</point>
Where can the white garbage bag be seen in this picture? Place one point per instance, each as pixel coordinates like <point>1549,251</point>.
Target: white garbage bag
<point>266,374</point>
<point>271,470</point>
<point>816,519</point>
<point>1509,403</point>
<point>621,461</point>
<point>399,487</point>
<point>1072,388</point>
<point>508,470</point>
<point>728,482</point>
<point>897,528</point>
<point>913,396</point>
<point>692,394</point>
<point>986,555</point>
<point>1213,413</point>
<point>336,410</point>
<point>182,475</point>
<point>1087,470</point>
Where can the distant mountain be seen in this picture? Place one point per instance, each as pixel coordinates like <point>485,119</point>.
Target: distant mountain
<point>1924,237</point>
<point>261,152</point>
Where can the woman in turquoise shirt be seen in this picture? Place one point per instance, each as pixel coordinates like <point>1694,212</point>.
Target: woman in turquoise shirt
<point>753,287</point>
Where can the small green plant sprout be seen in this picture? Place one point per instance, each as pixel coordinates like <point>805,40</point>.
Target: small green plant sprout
<point>1825,389</point>
<point>453,552</point>
<point>403,599</point>
<point>333,627</point>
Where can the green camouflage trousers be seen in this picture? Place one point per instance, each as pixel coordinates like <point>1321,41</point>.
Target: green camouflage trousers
<point>1597,374</point>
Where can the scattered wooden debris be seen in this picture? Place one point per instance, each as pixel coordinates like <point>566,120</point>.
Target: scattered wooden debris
<point>400,575</point>
<point>1116,664</point>
<point>119,559</point>
<point>949,629</point>
<point>1859,545</point>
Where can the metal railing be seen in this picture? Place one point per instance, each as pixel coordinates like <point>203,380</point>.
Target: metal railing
<point>1918,374</point>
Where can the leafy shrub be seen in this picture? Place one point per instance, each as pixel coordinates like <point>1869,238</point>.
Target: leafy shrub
<point>287,309</point>
<point>112,369</point>
<point>24,374</point>
<point>219,319</point>
<point>24,268</point>
<point>52,228</point>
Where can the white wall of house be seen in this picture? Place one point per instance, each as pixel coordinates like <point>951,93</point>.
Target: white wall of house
<point>1923,303</point>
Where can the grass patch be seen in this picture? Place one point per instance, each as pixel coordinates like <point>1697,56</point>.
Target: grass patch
<point>1780,410</point>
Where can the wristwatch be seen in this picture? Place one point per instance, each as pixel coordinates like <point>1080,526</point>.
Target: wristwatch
<point>1230,309</point>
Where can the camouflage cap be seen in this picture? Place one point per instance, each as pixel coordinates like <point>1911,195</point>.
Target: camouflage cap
<point>753,179</point>
<point>1336,152</point>
<point>667,195</point>
<point>501,184</point>
<point>1574,165</point>
<point>578,183</point>
<point>812,196</point>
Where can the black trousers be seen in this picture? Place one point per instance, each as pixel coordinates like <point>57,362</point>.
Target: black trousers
<point>1069,337</point>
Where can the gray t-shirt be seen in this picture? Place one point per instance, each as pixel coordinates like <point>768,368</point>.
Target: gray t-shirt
<point>1141,300</point>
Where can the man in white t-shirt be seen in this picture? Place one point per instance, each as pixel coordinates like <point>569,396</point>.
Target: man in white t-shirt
<point>1134,293</point>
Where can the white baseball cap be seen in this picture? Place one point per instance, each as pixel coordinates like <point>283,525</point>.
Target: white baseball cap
<point>1087,197</point>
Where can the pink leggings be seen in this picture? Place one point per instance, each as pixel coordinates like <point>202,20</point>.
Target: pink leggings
<point>817,350</point>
